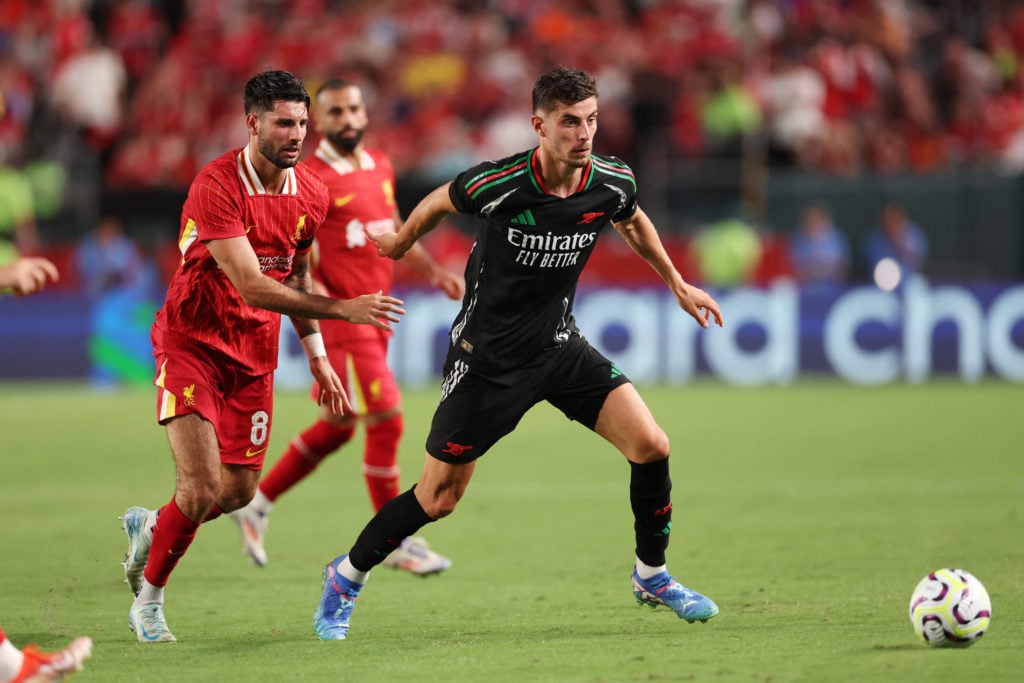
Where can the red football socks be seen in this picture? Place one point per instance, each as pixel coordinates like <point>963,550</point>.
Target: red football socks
<point>172,536</point>
<point>380,460</point>
<point>303,455</point>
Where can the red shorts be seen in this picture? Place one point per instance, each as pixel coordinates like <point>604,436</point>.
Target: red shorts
<point>192,379</point>
<point>364,371</point>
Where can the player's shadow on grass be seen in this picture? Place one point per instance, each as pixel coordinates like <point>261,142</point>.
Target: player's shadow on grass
<point>900,646</point>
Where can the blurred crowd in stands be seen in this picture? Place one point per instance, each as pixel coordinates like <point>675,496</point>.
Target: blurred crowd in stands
<point>139,94</point>
<point>836,85</point>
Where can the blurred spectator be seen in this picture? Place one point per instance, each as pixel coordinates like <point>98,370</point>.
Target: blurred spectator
<point>918,124</point>
<point>18,233</point>
<point>730,112</point>
<point>120,284</point>
<point>89,89</point>
<point>727,253</point>
<point>17,106</point>
<point>842,87</point>
<point>107,259</point>
<point>795,95</point>
<point>137,32</point>
<point>819,251</point>
<point>896,248</point>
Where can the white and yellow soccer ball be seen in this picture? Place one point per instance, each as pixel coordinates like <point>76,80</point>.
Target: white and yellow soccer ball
<point>950,608</point>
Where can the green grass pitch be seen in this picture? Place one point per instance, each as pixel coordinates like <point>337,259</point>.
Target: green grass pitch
<point>808,513</point>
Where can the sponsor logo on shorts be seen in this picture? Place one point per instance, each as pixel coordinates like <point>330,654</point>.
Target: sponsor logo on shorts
<point>455,449</point>
<point>249,453</point>
<point>189,395</point>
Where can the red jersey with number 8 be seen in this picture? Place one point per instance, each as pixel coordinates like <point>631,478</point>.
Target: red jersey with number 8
<point>226,200</point>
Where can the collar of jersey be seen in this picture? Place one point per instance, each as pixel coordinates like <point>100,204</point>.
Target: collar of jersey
<point>251,180</point>
<point>327,154</point>
<point>539,181</point>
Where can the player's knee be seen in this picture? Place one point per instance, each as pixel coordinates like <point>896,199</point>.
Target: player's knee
<point>441,507</point>
<point>230,501</point>
<point>383,437</point>
<point>325,437</point>
<point>196,498</point>
<point>441,503</point>
<point>651,446</point>
<point>342,422</point>
<point>386,426</point>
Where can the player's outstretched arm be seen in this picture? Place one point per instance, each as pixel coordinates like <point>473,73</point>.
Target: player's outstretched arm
<point>238,261</point>
<point>420,260</point>
<point>431,210</point>
<point>27,275</point>
<point>641,235</point>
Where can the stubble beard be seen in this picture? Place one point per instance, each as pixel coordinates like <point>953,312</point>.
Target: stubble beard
<point>347,144</point>
<point>274,156</point>
<point>579,163</point>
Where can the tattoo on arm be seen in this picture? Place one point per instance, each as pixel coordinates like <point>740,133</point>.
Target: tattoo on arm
<point>300,277</point>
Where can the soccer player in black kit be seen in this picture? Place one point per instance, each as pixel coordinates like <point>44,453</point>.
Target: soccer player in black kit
<point>515,342</point>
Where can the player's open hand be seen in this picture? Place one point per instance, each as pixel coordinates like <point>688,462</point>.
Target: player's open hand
<point>374,309</point>
<point>28,275</point>
<point>332,392</point>
<point>452,284</point>
<point>699,304</point>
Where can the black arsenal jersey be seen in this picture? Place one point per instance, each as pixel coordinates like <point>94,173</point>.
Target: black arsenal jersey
<point>530,249</point>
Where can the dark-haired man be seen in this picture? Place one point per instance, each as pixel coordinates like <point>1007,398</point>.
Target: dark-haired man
<point>361,184</point>
<point>515,341</point>
<point>246,231</point>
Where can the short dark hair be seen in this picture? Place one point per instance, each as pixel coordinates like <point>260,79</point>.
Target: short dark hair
<point>268,87</point>
<point>334,84</point>
<point>562,85</point>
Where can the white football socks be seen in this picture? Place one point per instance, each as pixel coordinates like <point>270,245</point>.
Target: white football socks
<point>10,660</point>
<point>646,571</point>
<point>149,593</point>
<point>346,569</point>
<point>260,503</point>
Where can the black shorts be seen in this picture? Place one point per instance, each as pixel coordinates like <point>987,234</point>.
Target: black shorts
<point>477,410</point>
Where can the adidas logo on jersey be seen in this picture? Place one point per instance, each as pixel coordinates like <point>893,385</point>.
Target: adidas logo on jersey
<point>525,218</point>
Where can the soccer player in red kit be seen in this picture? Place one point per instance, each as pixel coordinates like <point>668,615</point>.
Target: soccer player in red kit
<point>360,182</point>
<point>247,228</point>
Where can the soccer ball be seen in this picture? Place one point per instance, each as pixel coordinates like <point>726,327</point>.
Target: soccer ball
<point>950,608</point>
